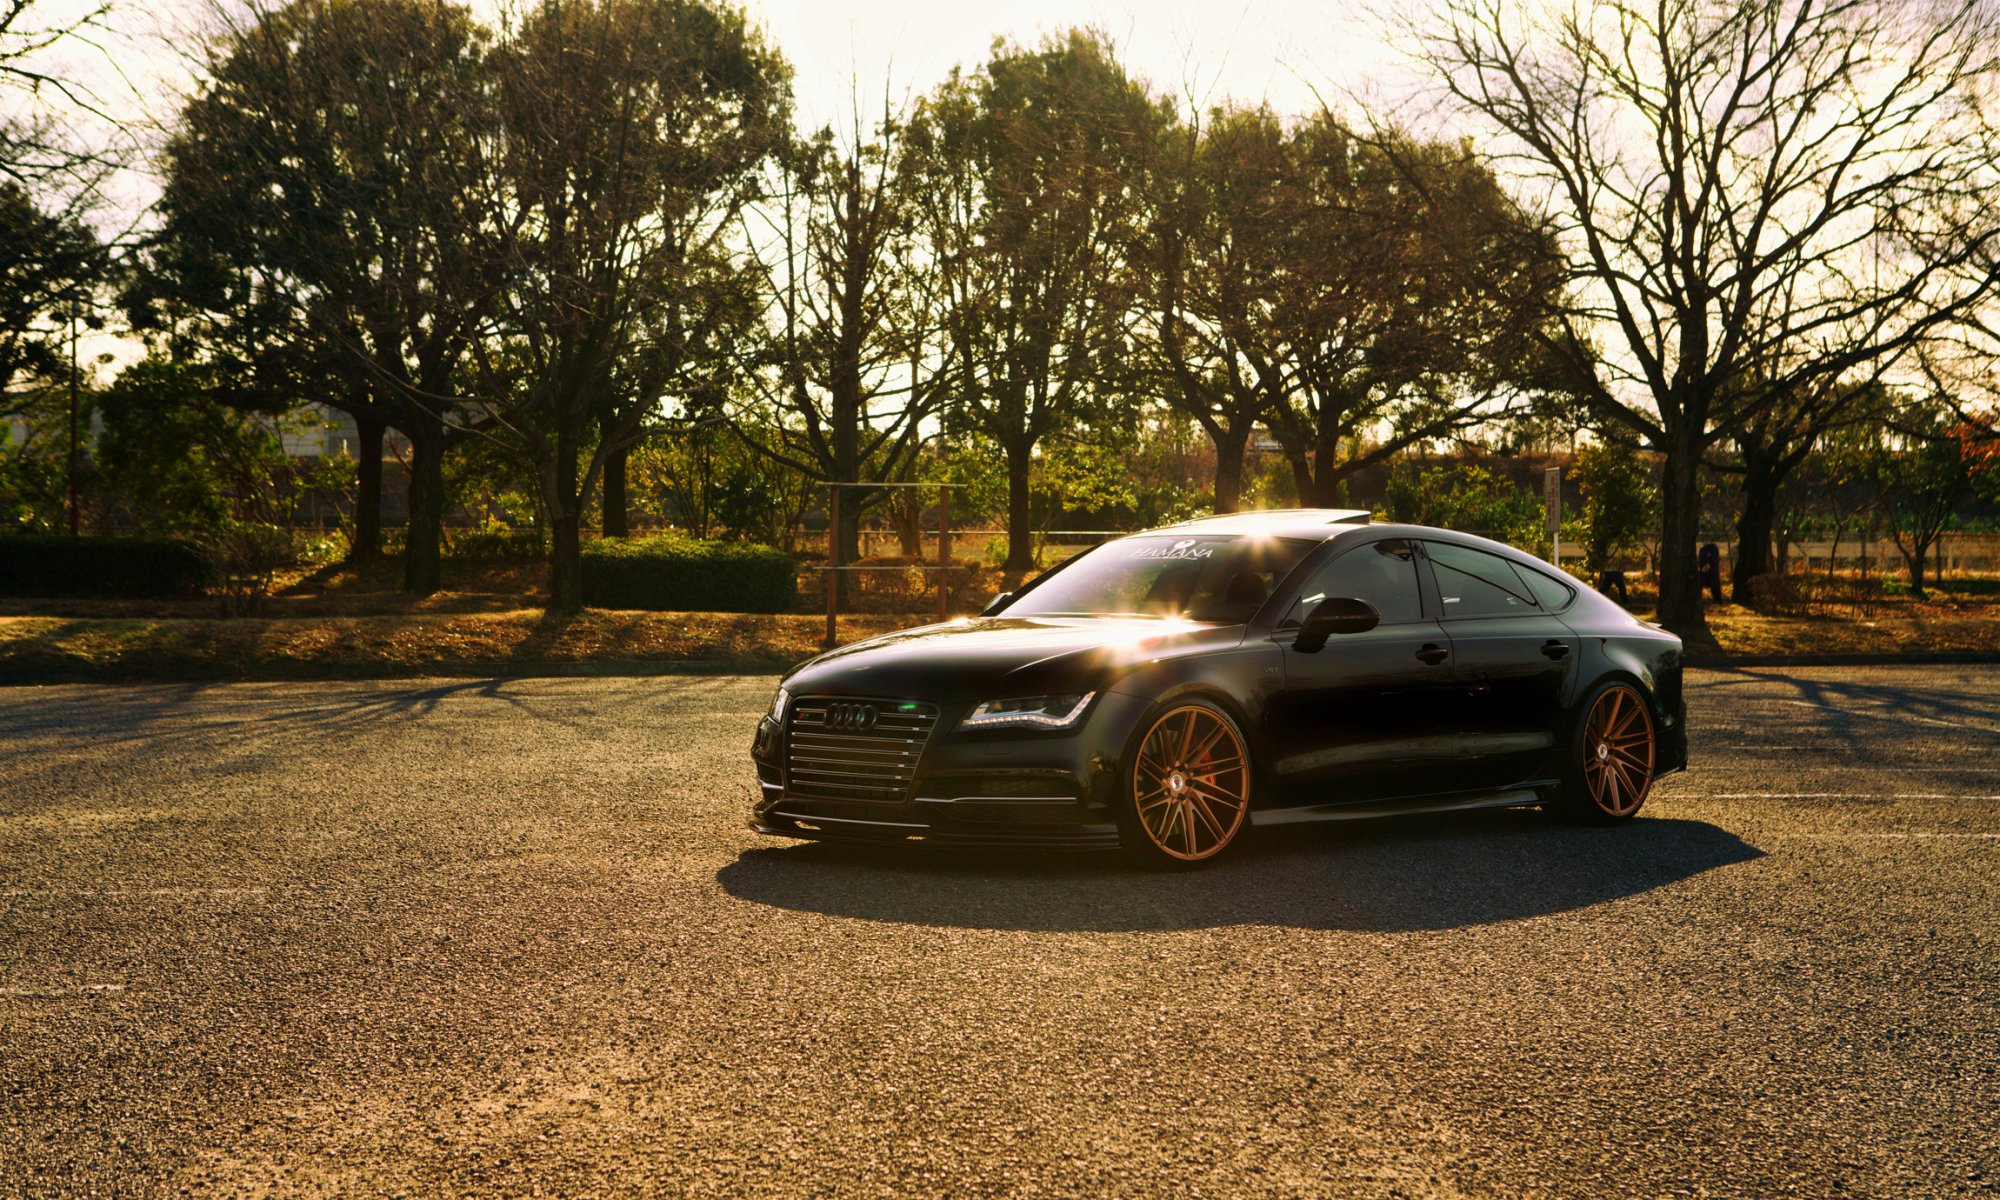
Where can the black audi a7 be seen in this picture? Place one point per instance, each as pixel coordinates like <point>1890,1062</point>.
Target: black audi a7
<point>1162,691</point>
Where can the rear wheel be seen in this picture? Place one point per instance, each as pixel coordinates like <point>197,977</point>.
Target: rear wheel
<point>1612,751</point>
<point>1187,790</point>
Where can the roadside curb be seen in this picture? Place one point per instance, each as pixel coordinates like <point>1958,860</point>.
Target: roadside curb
<point>29,676</point>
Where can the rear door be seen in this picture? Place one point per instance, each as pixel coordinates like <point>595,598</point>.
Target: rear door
<point>1512,667</point>
<point>1363,718</point>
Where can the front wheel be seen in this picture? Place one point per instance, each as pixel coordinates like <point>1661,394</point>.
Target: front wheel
<point>1611,757</point>
<point>1187,790</point>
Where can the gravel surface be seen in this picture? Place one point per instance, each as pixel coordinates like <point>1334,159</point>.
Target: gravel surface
<point>513,938</point>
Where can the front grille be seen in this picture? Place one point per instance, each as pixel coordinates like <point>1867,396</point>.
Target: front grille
<point>875,763</point>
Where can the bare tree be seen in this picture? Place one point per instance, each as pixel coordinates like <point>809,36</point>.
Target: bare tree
<point>853,366</point>
<point>1754,196</point>
<point>38,147</point>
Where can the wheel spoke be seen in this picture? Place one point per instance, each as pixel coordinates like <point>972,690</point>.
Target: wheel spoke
<point>1201,809</point>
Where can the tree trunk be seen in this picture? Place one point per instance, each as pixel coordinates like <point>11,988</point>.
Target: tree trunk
<point>565,527</point>
<point>1754,527</point>
<point>366,544</point>
<point>1230,444</point>
<point>847,535</point>
<point>1680,529</point>
<point>566,561</point>
<point>423,563</point>
<point>616,523</point>
<point>1020,548</point>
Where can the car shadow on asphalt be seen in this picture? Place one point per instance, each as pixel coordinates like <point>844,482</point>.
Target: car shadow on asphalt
<point>1446,871</point>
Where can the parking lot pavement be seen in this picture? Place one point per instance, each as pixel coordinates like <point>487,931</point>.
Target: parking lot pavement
<point>489,938</point>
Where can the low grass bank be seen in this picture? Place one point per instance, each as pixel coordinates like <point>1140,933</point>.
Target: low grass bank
<point>44,646</point>
<point>527,640</point>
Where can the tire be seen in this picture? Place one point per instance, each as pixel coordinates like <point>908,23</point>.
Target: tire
<point>1611,756</point>
<point>1185,796</point>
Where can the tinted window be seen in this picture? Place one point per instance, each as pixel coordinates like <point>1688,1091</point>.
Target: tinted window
<point>1382,573</point>
<point>1223,579</point>
<point>1551,594</point>
<point>1472,583</point>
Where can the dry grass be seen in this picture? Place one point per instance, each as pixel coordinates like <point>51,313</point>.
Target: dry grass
<point>1898,628</point>
<point>339,621</point>
<point>522,639</point>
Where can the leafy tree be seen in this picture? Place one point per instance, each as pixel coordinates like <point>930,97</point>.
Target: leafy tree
<point>1754,196</point>
<point>1920,481</point>
<point>1215,254</point>
<point>1406,305</point>
<point>50,267</point>
<point>1771,443</point>
<point>183,461</point>
<point>320,227</point>
<point>634,131</point>
<point>1616,486</point>
<point>1029,185</point>
<point>1464,496</point>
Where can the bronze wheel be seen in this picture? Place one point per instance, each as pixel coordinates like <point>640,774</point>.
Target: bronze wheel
<point>1190,785</point>
<point>1617,748</point>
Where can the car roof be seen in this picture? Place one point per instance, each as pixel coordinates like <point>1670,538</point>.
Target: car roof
<point>1315,523</point>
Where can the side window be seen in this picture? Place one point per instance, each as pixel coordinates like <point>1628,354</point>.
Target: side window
<point>1473,583</point>
<point>1549,593</point>
<point>1382,573</point>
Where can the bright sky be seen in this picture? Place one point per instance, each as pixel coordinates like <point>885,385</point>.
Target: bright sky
<point>1284,51</point>
<point>1289,53</point>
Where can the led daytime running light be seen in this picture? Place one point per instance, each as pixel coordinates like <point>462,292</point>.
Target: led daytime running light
<point>1030,711</point>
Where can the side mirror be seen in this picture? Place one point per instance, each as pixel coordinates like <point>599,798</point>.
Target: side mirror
<point>1335,614</point>
<point>999,602</point>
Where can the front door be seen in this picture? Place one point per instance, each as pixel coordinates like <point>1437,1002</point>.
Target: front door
<point>1363,717</point>
<point>1512,667</point>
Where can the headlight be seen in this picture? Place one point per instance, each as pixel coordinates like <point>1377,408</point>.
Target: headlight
<point>1029,712</point>
<point>779,705</point>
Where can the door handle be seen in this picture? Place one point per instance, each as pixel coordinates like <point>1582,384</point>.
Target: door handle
<point>1432,653</point>
<point>1555,649</point>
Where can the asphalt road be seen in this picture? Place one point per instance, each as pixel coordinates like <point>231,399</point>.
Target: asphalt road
<point>511,938</point>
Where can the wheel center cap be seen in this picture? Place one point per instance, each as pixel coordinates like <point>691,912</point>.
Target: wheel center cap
<point>1176,783</point>
<point>1603,750</point>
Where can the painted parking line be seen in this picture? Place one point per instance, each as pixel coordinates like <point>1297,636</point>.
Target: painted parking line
<point>1887,837</point>
<point>1829,796</point>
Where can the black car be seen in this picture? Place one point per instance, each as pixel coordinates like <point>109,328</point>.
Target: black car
<point>1161,691</point>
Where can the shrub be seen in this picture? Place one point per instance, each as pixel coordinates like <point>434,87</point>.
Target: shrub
<point>494,545</point>
<point>245,557</point>
<point>47,565</point>
<point>676,574</point>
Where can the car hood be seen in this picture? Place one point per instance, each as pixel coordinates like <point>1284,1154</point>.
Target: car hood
<point>994,658</point>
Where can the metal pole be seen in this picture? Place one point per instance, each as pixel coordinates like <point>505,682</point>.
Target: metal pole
<point>944,553</point>
<point>1552,485</point>
<point>832,564</point>
<point>72,422</point>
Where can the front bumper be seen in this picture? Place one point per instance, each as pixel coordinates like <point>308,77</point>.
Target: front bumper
<point>997,789</point>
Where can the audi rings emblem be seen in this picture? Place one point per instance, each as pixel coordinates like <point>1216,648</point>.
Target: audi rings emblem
<point>855,717</point>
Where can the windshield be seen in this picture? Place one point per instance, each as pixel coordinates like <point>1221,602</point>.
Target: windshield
<point>1220,579</point>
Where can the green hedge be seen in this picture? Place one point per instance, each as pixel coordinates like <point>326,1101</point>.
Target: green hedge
<point>43,565</point>
<point>673,574</point>
<point>494,545</point>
